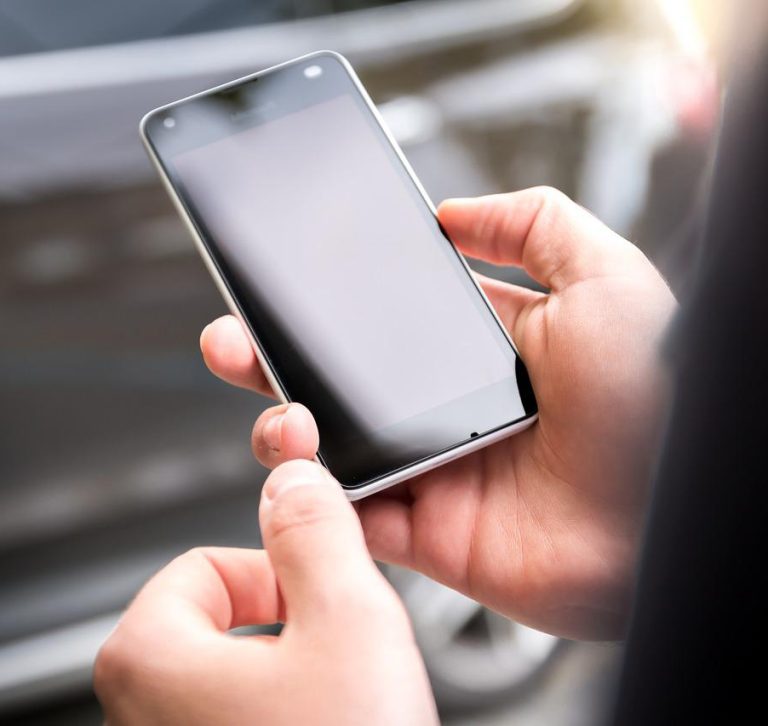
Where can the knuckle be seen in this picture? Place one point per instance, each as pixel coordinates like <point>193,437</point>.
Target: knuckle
<point>545,191</point>
<point>194,555</point>
<point>130,661</point>
<point>381,605</point>
<point>299,508</point>
<point>550,204</point>
<point>115,665</point>
<point>359,599</point>
<point>295,473</point>
<point>199,562</point>
<point>551,196</point>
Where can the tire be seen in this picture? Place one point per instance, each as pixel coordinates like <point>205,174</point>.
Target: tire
<point>475,657</point>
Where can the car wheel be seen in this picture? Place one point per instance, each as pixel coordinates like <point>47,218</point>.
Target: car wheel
<point>476,658</point>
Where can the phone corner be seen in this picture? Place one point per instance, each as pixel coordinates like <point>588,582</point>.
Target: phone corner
<point>530,419</point>
<point>334,54</point>
<point>353,495</point>
<point>144,125</point>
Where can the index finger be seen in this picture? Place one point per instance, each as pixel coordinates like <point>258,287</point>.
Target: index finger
<point>228,353</point>
<point>209,588</point>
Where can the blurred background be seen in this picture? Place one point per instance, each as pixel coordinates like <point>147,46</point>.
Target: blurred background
<point>117,449</point>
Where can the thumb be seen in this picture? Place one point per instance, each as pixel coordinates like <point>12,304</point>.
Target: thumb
<point>557,242</point>
<point>316,545</point>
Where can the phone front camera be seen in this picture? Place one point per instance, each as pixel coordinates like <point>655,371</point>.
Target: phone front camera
<point>169,122</point>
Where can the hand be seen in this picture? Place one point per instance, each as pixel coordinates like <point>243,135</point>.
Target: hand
<point>543,526</point>
<point>345,656</point>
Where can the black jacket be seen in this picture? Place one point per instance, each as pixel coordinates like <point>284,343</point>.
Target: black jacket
<point>697,646</point>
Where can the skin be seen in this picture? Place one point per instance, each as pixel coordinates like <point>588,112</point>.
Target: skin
<point>171,660</point>
<point>542,527</point>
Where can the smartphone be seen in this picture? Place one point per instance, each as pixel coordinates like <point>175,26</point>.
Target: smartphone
<point>326,247</point>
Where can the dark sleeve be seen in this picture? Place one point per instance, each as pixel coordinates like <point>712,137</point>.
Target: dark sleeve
<point>696,647</point>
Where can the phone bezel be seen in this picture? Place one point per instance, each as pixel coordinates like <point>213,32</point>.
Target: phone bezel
<point>400,474</point>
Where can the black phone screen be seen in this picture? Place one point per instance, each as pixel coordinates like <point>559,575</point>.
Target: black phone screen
<point>359,302</point>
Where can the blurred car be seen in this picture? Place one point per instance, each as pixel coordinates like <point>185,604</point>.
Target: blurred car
<point>119,450</point>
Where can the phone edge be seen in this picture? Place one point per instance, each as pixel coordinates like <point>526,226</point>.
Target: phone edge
<point>420,467</point>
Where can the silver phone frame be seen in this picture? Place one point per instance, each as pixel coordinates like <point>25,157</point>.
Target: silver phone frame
<point>402,474</point>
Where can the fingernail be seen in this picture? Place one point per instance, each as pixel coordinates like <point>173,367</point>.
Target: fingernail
<point>273,431</point>
<point>294,474</point>
<point>459,201</point>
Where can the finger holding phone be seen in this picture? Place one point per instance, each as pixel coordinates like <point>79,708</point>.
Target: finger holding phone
<point>543,526</point>
<point>357,305</point>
